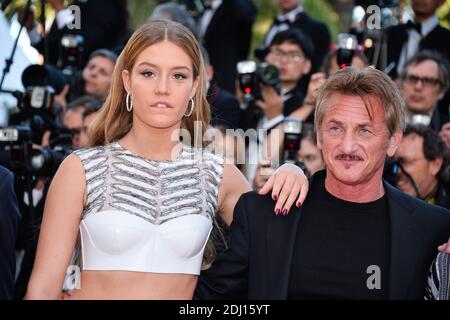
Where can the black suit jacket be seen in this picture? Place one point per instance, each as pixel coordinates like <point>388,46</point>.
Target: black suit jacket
<point>9,218</point>
<point>318,33</point>
<point>438,39</point>
<point>225,109</point>
<point>103,25</point>
<point>257,264</point>
<point>228,38</point>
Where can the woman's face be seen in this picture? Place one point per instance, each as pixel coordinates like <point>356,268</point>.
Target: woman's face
<point>311,156</point>
<point>97,76</point>
<point>161,84</point>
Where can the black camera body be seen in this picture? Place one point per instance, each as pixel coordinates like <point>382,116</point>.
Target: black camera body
<point>346,47</point>
<point>252,75</point>
<point>292,128</point>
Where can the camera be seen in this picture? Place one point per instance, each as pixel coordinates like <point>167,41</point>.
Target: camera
<point>346,46</point>
<point>251,75</point>
<point>292,140</point>
<point>36,113</point>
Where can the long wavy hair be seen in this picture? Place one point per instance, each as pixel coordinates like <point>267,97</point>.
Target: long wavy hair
<point>114,121</point>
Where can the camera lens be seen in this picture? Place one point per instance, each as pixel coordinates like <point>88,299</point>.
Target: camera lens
<point>269,74</point>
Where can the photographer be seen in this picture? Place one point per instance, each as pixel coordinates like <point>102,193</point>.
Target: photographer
<point>423,82</point>
<point>423,166</point>
<point>291,52</point>
<point>9,218</point>
<point>104,24</point>
<point>308,156</point>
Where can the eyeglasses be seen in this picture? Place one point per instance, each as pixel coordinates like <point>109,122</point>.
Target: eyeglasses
<point>426,81</point>
<point>290,56</point>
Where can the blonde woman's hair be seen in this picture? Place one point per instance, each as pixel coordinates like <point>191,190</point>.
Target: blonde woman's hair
<point>114,121</point>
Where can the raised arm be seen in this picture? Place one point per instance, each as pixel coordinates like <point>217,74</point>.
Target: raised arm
<point>59,229</point>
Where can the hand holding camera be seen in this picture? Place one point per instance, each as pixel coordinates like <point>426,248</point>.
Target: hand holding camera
<point>271,103</point>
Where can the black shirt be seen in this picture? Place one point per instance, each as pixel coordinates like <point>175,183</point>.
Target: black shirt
<point>337,243</point>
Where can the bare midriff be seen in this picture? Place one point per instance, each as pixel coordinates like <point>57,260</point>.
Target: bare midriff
<point>110,285</point>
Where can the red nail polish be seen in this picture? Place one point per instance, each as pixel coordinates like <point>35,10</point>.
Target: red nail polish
<point>275,197</point>
<point>299,204</point>
<point>277,211</point>
<point>285,211</point>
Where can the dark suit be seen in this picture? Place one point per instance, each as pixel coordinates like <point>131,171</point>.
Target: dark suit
<point>318,33</point>
<point>9,218</point>
<point>225,109</point>
<point>103,25</point>
<point>228,38</point>
<point>438,39</point>
<point>258,263</point>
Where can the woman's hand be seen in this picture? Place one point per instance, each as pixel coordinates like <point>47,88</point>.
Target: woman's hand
<point>445,247</point>
<point>288,184</point>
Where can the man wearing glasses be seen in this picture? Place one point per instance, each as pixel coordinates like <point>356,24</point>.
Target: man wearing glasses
<point>423,83</point>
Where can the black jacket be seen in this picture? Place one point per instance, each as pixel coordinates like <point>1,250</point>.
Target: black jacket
<point>225,109</point>
<point>257,264</point>
<point>228,39</point>
<point>103,25</point>
<point>438,40</point>
<point>9,218</point>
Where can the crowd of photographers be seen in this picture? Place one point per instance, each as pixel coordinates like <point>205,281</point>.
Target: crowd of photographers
<point>274,94</point>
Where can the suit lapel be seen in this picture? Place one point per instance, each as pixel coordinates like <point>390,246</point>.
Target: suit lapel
<point>403,239</point>
<point>281,235</point>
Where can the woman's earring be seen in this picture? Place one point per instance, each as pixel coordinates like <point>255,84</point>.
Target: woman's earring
<point>192,108</point>
<point>129,103</point>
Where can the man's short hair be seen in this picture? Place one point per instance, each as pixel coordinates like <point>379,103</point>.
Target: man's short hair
<point>80,102</point>
<point>443,66</point>
<point>104,53</point>
<point>295,36</point>
<point>365,83</point>
<point>433,147</point>
<point>92,107</point>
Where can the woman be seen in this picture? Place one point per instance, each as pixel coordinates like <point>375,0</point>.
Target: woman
<point>146,201</point>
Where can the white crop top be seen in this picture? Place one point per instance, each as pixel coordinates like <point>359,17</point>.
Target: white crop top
<point>147,216</point>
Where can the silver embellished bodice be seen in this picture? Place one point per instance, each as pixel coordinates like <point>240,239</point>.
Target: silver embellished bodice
<point>156,191</point>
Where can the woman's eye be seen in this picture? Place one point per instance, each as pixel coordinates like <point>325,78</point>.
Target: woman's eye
<point>179,76</point>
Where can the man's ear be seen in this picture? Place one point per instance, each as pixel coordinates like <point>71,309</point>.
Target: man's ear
<point>394,142</point>
<point>126,79</point>
<point>318,139</point>
<point>436,165</point>
<point>307,67</point>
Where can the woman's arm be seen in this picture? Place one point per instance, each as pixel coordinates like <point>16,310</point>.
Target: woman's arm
<point>59,230</point>
<point>288,184</point>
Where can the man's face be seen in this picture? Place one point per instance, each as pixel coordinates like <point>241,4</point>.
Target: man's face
<point>421,96</point>
<point>422,171</point>
<point>288,5</point>
<point>354,145</point>
<point>290,61</point>
<point>425,7</point>
<point>73,119</point>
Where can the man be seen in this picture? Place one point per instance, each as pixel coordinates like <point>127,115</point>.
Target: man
<point>405,40</point>
<point>226,30</point>
<point>225,109</point>
<point>423,82</point>
<point>9,219</point>
<point>104,24</point>
<point>291,52</point>
<point>355,237</point>
<point>423,160</point>
<point>72,118</point>
<point>292,15</point>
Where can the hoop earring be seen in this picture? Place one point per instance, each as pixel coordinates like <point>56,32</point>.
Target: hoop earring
<point>192,108</point>
<point>129,103</point>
